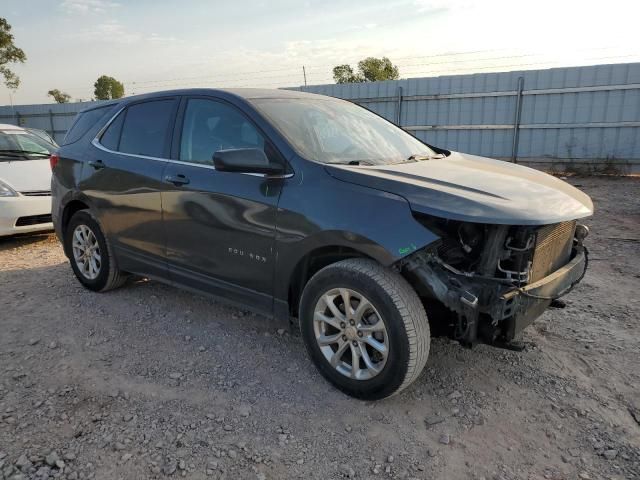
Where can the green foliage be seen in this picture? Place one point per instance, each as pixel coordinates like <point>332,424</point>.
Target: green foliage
<point>378,69</point>
<point>344,74</point>
<point>9,53</point>
<point>58,96</point>
<point>371,69</point>
<point>107,88</point>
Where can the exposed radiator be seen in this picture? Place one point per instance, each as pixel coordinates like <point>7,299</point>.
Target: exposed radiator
<point>552,250</point>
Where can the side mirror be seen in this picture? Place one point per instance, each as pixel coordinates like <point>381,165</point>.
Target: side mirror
<point>245,160</point>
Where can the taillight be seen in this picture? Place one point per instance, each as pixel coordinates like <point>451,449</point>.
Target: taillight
<point>53,160</point>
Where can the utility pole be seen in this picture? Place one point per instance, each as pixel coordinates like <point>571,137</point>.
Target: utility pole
<point>304,73</point>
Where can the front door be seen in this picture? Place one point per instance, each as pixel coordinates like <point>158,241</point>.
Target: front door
<point>220,226</point>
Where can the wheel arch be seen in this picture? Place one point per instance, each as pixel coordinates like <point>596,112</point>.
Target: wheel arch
<point>69,210</point>
<point>312,262</point>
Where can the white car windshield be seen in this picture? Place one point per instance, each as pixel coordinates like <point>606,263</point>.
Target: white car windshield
<point>336,131</point>
<point>22,145</point>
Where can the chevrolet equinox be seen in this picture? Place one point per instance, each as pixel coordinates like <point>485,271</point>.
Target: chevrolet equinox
<point>302,206</point>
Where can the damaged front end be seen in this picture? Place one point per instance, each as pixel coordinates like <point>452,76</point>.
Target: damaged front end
<point>496,279</point>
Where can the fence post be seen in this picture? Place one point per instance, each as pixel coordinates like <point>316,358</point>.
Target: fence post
<point>399,106</point>
<point>53,135</point>
<point>516,121</point>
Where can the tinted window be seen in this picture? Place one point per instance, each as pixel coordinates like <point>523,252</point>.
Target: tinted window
<point>210,126</point>
<point>111,137</point>
<point>84,122</point>
<point>145,128</point>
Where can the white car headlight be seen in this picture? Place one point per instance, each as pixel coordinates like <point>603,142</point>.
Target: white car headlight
<point>6,190</point>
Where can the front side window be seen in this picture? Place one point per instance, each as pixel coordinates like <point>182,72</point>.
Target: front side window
<point>336,131</point>
<point>210,126</point>
<point>145,128</point>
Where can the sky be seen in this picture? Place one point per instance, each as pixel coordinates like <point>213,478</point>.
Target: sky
<point>158,45</point>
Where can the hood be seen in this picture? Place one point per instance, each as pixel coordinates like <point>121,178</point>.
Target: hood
<point>26,175</point>
<point>474,189</point>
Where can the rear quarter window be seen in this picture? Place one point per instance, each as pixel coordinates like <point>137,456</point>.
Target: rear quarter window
<point>85,121</point>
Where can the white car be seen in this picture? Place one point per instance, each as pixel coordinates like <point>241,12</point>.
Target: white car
<point>25,181</point>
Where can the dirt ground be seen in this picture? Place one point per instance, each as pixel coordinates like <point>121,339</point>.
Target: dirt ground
<point>151,382</point>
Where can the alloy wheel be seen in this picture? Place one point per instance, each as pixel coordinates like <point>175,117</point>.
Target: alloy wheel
<point>86,252</point>
<point>351,333</point>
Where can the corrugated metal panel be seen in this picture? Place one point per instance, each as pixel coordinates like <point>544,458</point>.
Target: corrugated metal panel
<point>592,115</point>
<point>585,114</point>
<point>55,118</point>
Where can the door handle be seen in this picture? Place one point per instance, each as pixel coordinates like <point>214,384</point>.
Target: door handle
<point>177,180</point>
<point>97,164</point>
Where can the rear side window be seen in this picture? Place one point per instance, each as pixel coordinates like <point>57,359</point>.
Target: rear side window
<point>84,122</point>
<point>111,137</point>
<point>145,128</point>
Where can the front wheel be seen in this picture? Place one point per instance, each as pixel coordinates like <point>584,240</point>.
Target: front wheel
<point>365,328</point>
<point>90,254</point>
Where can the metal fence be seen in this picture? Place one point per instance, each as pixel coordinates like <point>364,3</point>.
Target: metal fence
<point>54,118</point>
<point>576,118</point>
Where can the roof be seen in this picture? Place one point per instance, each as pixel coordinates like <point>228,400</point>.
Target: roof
<point>246,93</point>
<point>250,93</point>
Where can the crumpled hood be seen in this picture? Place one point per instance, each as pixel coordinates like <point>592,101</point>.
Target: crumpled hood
<point>26,175</point>
<point>475,189</point>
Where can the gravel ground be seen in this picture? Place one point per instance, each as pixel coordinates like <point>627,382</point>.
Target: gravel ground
<point>151,382</point>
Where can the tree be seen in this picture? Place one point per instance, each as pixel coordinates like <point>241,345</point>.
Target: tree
<point>9,53</point>
<point>378,69</point>
<point>58,96</point>
<point>107,88</point>
<point>344,74</point>
<point>371,69</point>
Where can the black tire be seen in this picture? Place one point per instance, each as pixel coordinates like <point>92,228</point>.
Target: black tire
<point>402,312</point>
<point>109,276</point>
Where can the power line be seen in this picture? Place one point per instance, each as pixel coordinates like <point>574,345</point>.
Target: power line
<point>309,68</point>
<point>277,79</point>
<point>285,78</point>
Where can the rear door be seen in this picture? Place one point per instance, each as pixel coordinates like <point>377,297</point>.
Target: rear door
<point>220,226</point>
<point>124,181</point>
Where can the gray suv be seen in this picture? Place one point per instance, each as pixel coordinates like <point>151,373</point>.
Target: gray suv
<point>306,207</point>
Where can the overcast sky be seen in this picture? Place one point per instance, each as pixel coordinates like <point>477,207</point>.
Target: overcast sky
<point>154,44</point>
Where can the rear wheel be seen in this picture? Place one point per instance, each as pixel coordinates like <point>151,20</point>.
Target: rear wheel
<point>90,254</point>
<point>365,328</point>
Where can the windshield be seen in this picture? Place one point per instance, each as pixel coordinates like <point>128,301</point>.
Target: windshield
<point>336,131</point>
<point>23,145</point>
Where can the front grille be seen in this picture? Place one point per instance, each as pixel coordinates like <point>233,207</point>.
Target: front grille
<point>33,220</point>
<point>552,250</point>
<point>37,193</point>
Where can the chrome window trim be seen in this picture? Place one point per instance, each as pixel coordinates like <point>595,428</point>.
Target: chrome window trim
<point>96,143</point>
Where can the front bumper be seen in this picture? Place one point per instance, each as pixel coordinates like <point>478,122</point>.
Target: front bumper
<point>487,309</point>
<point>27,208</point>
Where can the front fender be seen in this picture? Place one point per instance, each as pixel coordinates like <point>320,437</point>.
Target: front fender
<point>323,211</point>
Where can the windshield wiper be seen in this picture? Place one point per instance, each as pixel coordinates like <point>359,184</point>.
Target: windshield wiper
<point>351,162</point>
<point>416,157</point>
<point>15,153</point>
